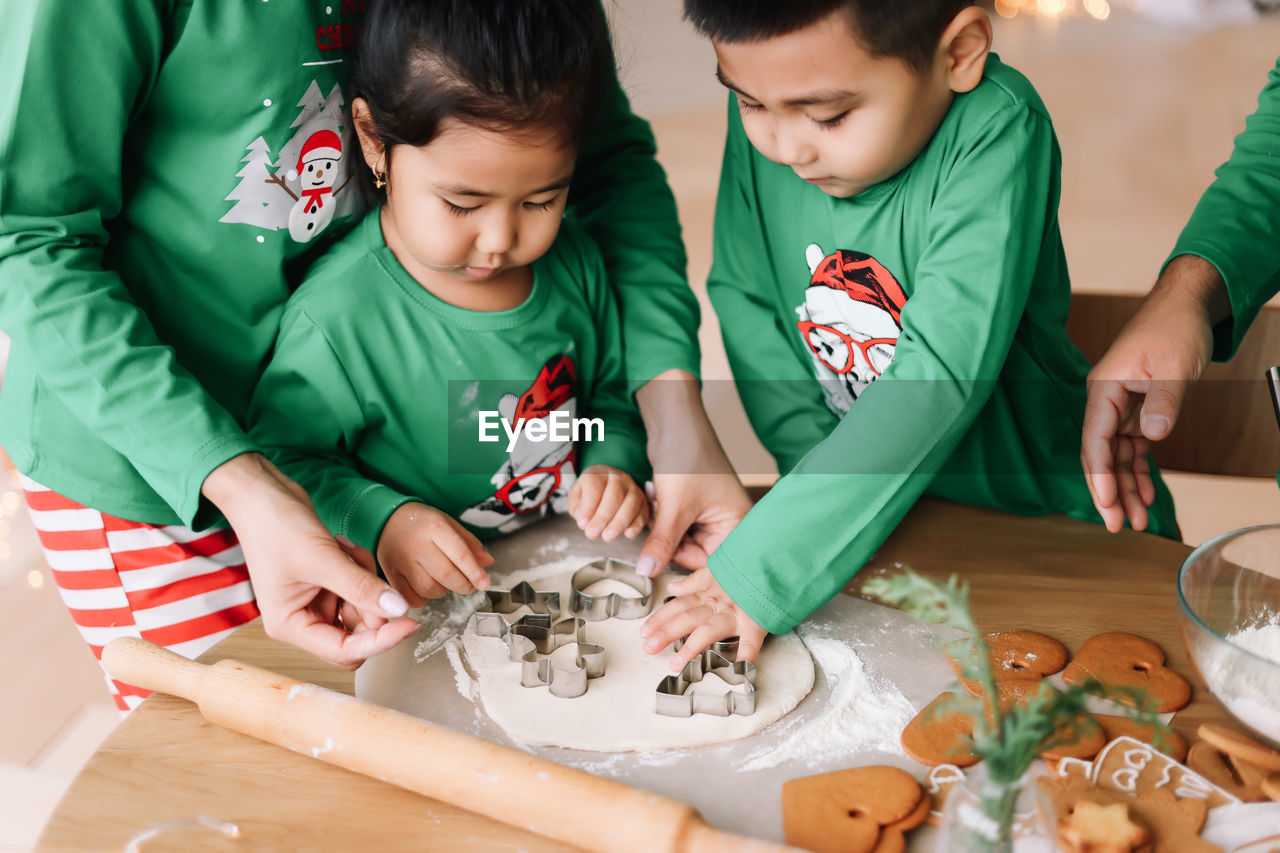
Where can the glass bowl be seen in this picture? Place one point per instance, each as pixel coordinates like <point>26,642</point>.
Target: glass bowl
<point>1229,601</point>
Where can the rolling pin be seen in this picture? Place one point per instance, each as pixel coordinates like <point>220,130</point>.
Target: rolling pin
<point>496,781</point>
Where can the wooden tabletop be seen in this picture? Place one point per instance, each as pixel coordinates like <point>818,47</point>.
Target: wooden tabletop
<point>166,764</point>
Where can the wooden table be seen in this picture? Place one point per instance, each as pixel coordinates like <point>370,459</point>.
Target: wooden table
<point>165,763</point>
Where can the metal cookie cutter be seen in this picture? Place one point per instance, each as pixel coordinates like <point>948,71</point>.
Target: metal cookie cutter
<point>492,617</point>
<point>567,682</point>
<point>678,696</point>
<point>596,608</point>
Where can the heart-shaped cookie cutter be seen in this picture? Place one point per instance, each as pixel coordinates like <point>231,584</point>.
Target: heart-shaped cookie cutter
<point>678,696</point>
<point>596,608</point>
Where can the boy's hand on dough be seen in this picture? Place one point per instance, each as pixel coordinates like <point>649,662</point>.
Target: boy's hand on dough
<point>703,612</point>
<point>425,553</point>
<point>607,503</point>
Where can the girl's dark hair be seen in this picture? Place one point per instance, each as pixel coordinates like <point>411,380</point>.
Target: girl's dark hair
<point>505,65</point>
<point>906,29</point>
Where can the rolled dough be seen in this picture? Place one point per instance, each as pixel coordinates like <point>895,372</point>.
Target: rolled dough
<point>617,711</point>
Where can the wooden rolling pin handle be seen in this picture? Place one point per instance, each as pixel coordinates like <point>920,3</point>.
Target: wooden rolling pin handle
<point>144,664</point>
<point>493,780</point>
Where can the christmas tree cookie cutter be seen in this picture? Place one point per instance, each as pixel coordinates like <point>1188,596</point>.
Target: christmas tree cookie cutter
<point>679,696</point>
<point>596,608</point>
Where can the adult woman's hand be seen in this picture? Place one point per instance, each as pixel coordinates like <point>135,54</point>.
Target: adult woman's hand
<point>311,593</point>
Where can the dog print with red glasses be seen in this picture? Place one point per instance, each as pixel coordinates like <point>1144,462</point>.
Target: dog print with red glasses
<point>849,321</point>
<point>535,479</point>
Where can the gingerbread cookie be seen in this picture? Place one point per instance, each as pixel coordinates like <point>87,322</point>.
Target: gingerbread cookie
<point>1271,787</point>
<point>1229,773</point>
<point>1131,767</point>
<point>852,810</point>
<point>1082,740</point>
<point>1174,823</point>
<point>1124,660</point>
<point>1018,655</point>
<point>1241,747</point>
<point>1023,653</point>
<point>1092,828</point>
<point>893,837</point>
<point>940,735</point>
<point>938,785</point>
<point>1172,744</point>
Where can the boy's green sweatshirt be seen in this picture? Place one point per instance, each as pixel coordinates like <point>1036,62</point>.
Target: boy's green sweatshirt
<point>375,391</point>
<point>153,221</point>
<point>909,340</point>
<point>1236,224</point>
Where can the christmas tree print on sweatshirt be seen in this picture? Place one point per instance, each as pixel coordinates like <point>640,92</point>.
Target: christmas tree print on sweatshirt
<point>309,183</point>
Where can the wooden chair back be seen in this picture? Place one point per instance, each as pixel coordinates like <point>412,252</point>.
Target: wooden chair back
<point>1227,425</point>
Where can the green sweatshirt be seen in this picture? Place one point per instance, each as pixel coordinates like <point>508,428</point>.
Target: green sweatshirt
<point>1236,224</point>
<point>376,390</point>
<point>153,221</point>
<point>909,340</point>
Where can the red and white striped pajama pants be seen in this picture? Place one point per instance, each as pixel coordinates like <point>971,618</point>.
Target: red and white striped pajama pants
<point>170,585</point>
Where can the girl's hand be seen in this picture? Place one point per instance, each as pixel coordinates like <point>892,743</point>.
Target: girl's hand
<point>302,580</point>
<point>606,502</point>
<point>426,553</point>
<point>703,612</point>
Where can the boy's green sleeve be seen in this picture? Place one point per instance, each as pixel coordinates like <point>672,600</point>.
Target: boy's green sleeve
<point>782,400</point>
<point>621,196</point>
<point>1236,224</point>
<point>306,415</point>
<point>73,76</point>
<point>818,525</point>
<point>610,397</point>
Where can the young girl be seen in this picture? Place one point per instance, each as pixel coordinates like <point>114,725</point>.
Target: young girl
<point>429,380</point>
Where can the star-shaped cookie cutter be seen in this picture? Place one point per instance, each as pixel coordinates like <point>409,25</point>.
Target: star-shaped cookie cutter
<point>678,695</point>
<point>596,608</point>
<point>491,615</point>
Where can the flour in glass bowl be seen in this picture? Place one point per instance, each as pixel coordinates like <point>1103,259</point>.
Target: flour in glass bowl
<point>1249,689</point>
<point>1262,639</point>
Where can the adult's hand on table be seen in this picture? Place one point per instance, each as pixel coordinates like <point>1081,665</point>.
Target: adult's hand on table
<point>698,499</point>
<point>1137,388</point>
<point>704,613</point>
<point>301,577</point>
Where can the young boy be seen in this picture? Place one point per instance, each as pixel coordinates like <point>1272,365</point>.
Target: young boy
<point>886,225</point>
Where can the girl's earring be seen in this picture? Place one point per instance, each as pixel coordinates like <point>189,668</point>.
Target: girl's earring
<point>379,179</point>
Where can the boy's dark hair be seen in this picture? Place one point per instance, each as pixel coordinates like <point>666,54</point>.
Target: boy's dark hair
<point>906,29</point>
<point>503,65</point>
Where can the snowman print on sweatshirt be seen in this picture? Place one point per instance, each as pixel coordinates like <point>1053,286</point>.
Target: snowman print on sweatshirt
<point>304,186</point>
<point>849,322</point>
<point>535,479</point>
